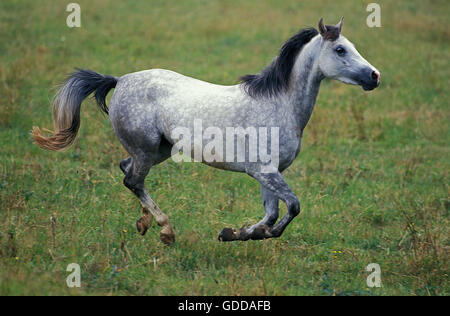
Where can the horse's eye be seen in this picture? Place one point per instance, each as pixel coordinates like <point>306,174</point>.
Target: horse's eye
<point>340,51</point>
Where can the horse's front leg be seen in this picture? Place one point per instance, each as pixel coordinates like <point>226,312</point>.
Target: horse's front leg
<point>273,187</point>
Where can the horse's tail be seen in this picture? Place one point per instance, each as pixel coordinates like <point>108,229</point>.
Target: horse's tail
<point>67,104</point>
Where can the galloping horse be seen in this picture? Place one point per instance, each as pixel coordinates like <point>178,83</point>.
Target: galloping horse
<point>147,106</point>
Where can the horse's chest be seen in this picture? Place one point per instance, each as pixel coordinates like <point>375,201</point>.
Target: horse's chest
<point>292,146</point>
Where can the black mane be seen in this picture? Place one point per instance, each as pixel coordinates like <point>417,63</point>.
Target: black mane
<point>275,78</point>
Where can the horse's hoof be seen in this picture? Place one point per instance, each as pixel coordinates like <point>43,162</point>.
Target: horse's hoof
<point>227,234</point>
<point>141,228</point>
<point>167,235</point>
<point>143,224</point>
<point>168,239</point>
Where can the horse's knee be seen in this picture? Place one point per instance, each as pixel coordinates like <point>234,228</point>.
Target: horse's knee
<point>294,206</point>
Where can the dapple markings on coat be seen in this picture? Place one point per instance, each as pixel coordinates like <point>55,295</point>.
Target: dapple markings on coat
<point>147,106</point>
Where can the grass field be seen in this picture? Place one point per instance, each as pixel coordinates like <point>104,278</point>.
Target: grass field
<point>373,175</point>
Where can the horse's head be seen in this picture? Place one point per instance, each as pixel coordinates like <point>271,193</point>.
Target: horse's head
<point>340,60</point>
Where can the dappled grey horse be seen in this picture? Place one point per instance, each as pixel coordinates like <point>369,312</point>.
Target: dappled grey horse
<point>148,106</point>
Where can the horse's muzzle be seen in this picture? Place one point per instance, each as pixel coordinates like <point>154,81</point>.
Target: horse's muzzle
<point>370,79</point>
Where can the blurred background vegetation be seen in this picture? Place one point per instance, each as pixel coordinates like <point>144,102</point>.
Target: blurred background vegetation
<point>372,176</point>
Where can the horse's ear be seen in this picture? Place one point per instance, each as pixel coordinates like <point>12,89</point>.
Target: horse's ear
<point>339,25</point>
<point>322,28</point>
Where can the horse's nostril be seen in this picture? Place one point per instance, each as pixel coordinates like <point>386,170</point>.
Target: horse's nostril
<point>374,75</point>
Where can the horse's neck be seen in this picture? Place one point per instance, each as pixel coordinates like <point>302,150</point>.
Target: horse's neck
<point>306,83</point>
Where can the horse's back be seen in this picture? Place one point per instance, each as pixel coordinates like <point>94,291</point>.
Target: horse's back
<point>175,99</point>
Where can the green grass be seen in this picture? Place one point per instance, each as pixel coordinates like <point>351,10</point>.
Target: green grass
<point>372,176</point>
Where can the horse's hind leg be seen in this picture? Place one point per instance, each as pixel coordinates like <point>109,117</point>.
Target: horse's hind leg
<point>136,169</point>
<point>164,152</point>
<point>145,222</point>
<point>125,165</point>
